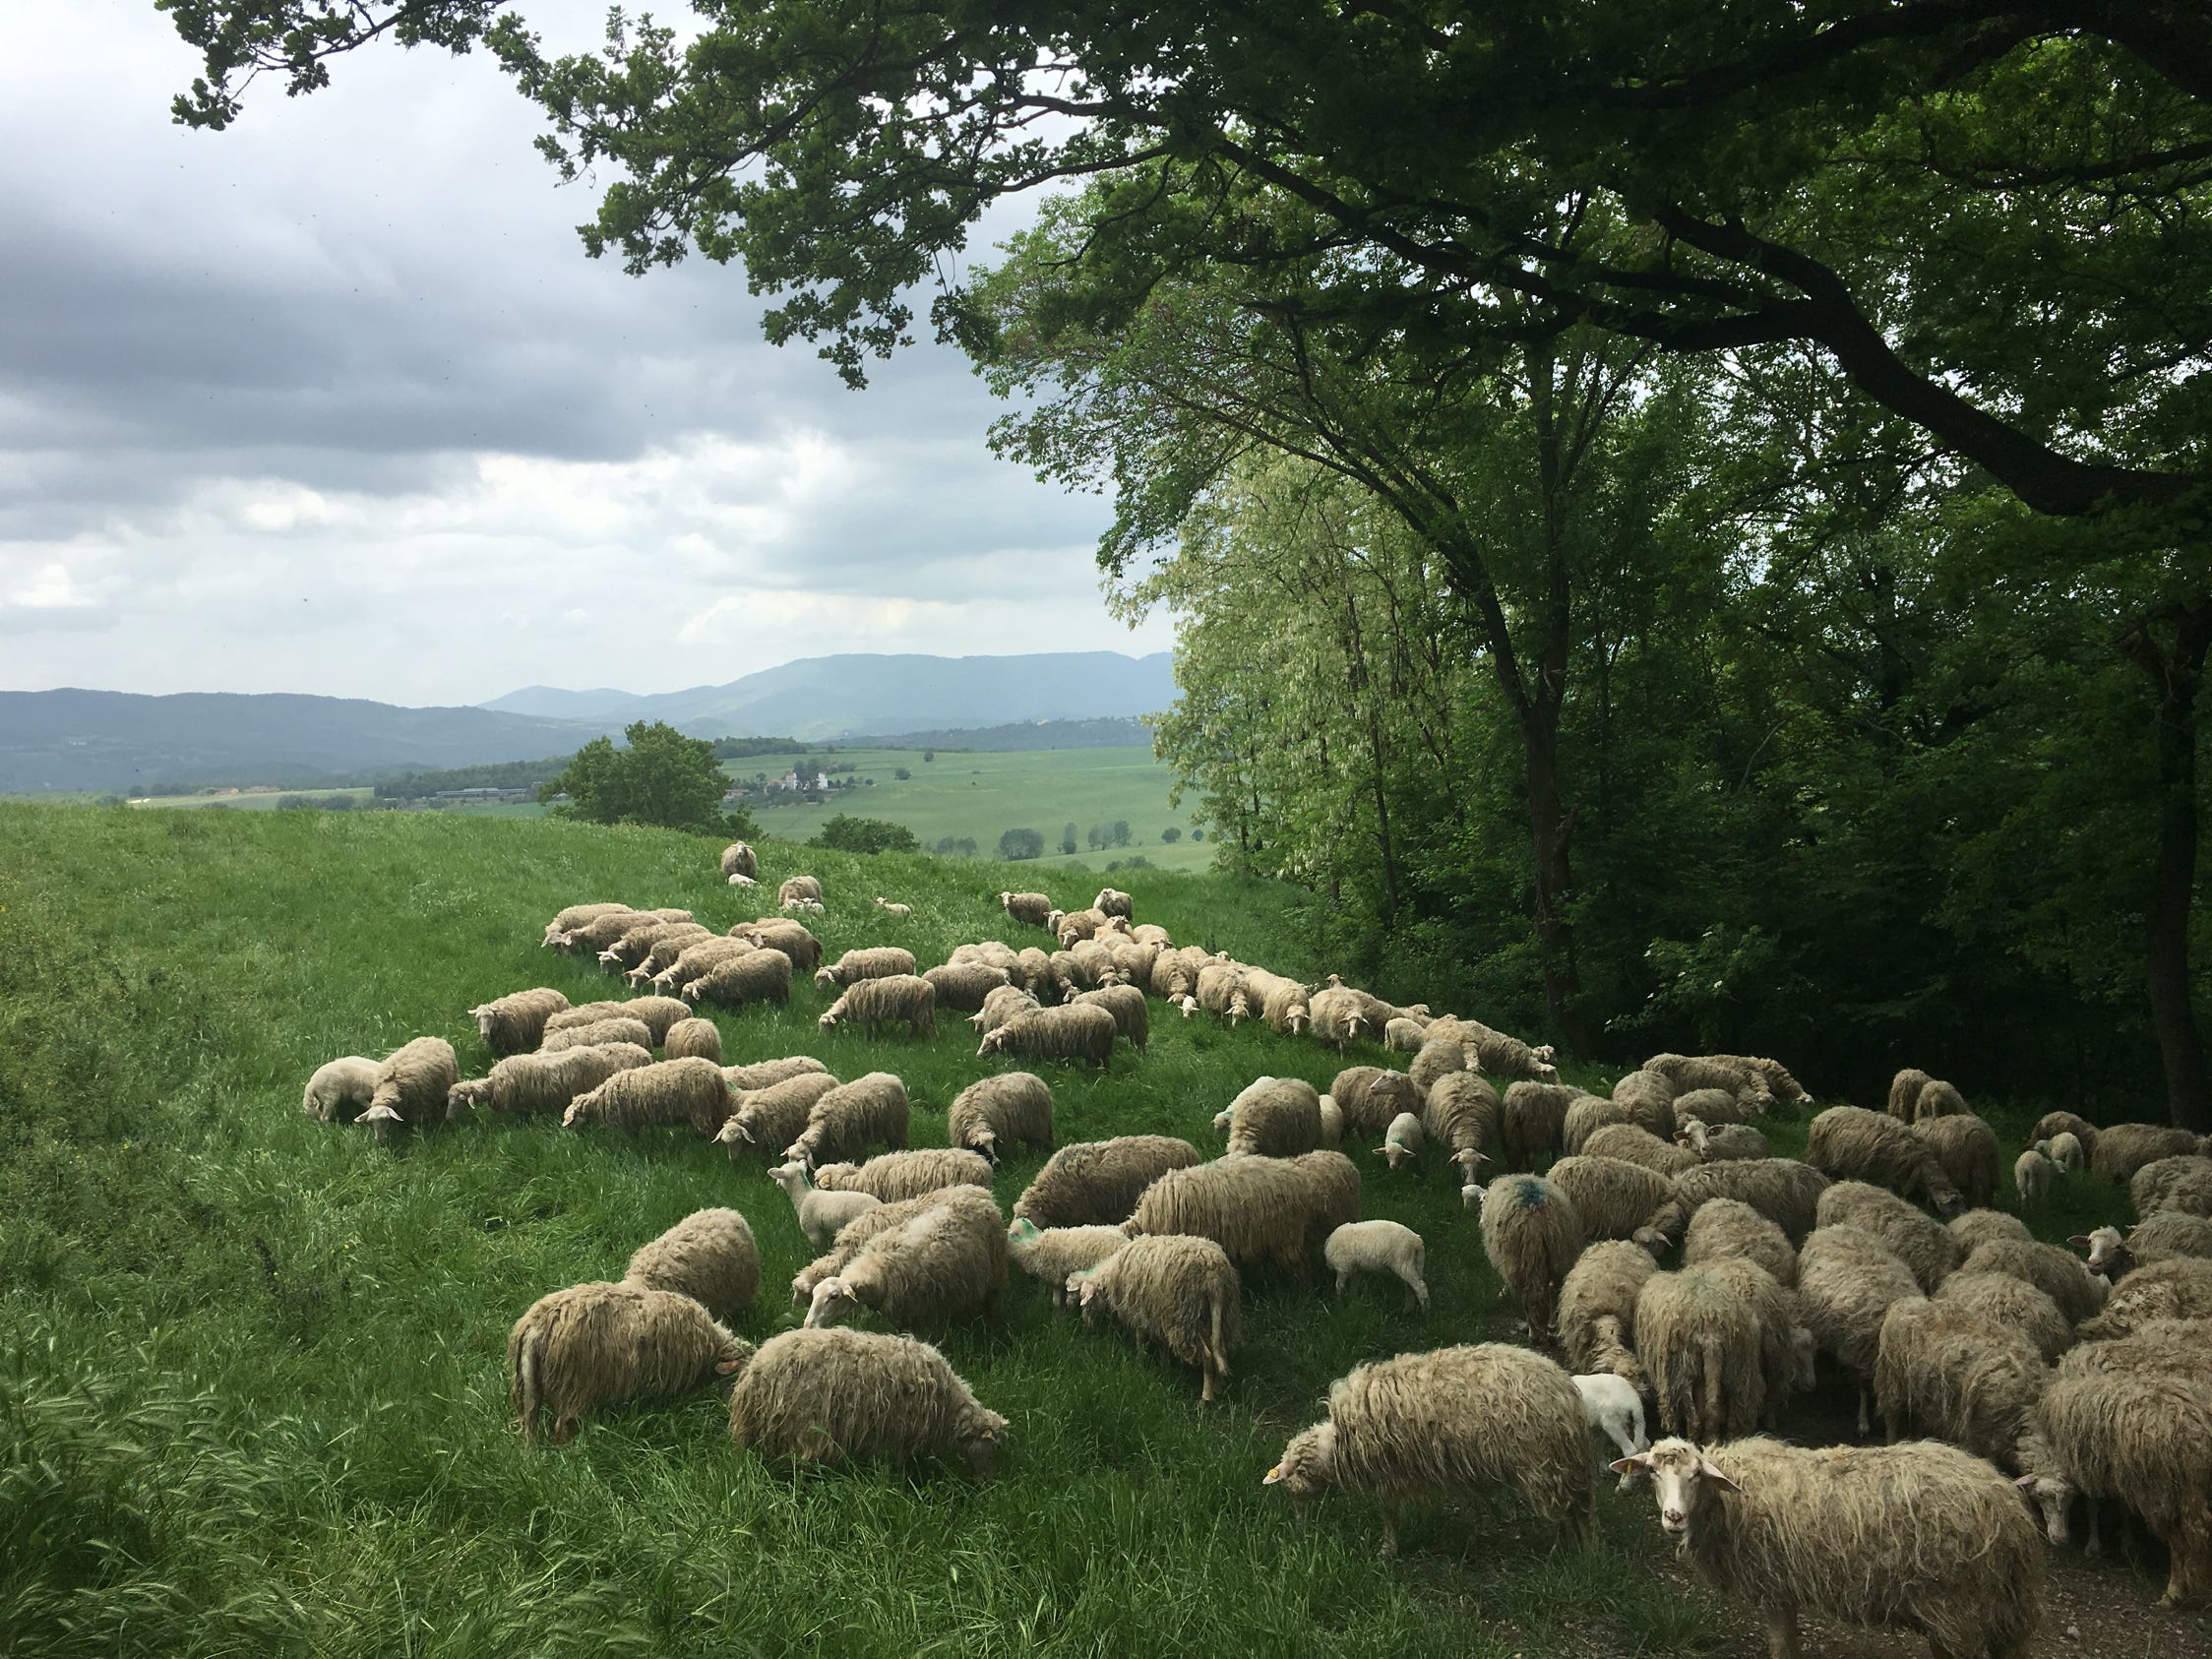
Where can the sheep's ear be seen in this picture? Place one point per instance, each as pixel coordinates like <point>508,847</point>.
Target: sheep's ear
<point>2026,1483</point>
<point>1706,1470</point>
<point>2080,1240</point>
<point>1271,1476</point>
<point>1630,1465</point>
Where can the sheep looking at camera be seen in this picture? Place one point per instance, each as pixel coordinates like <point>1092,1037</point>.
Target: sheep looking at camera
<point>738,859</point>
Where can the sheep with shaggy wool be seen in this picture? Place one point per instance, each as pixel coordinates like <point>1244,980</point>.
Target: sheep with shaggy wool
<point>2064,1123</point>
<point>1688,1072</point>
<point>2078,1292</point>
<point>738,859</point>
<point>2123,1149</point>
<point>2014,1304</point>
<point>1126,1002</point>
<point>1784,1191</point>
<point>1100,1181</point>
<point>1452,1424</point>
<point>1919,1537</point>
<point>1713,1105</point>
<point>1614,1199</point>
<point>515,1022</point>
<point>1332,1189</point>
<point>1435,1058</point>
<point>771,1118</point>
<point>1787,1347</point>
<point>1771,1073</point>
<point>1938,1100</point>
<point>1921,1242</point>
<point>644,935</point>
<point>1585,1116</point>
<point>1848,1280</point>
<point>656,1013</point>
<point>1378,1247</point>
<point>1182,1293</point>
<point>1029,907</point>
<point>1701,1341</point>
<point>1650,1101</point>
<point>695,1039</point>
<point>1260,1211</point>
<point>1977,1227</point>
<point>1070,1031</point>
<point>761,976</point>
<point>341,1089</point>
<point>1013,1108</point>
<point>1111,902</point>
<point>962,986</point>
<point>1151,933</point>
<point>822,1212</point>
<point>673,1093</point>
<point>709,1256</point>
<point>947,1263</point>
<point>2161,1236</point>
<point>986,952</point>
<point>1533,1120</point>
<point>1072,926</point>
<point>1130,963</point>
<point>1728,1229</point>
<point>695,960</point>
<point>1597,1310</point>
<point>1851,1144</point>
<point>874,962</point>
<point>575,916</point>
<point>2064,1150</point>
<point>1957,1374</point>
<point>668,941</point>
<point>592,1346</point>
<point>2032,1176</point>
<point>852,1118</point>
<point>840,1396</point>
<point>414,1080</point>
<point>1001,1006</point>
<point>1276,1118</point>
<point>537,1084</point>
<point>2157,1347</point>
<point>889,1000</point>
<point>1371,1096</point>
<point>892,1176</point>
<point>1406,1034</point>
<point>1635,1144</point>
<point>1340,1015</point>
<point>1904,1093</point>
<point>1052,1254</point>
<point>1403,1140</point>
<point>1532,1235</point>
<point>1502,1056</point>
<point>783,933</point>
<point>1966,1147</point>
<point>2178,1288</point>
<point>1712,1143</point>
<point>2145,1439</point>
<point>798,889</point>
<point>596,934</point>
<point>766,1074</point>
<point>2183,1183</point>
<point>1463,1115</point>
<point>600,1033</point>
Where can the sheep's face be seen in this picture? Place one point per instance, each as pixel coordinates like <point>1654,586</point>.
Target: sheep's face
<point>1470,1167</point>
<point>992,1043</point>
<point>569,1118</point>
<point>828,1020</point>
<point>378,1119</point>
<point>2107,1250</point>
<point>2052,1494</point>
<point>1949,1204</point>
<point>1470,1198</point>
<point>484,1025</point>
<point>1023,1231</point>
<point>1654,1241</point>
<point>1805,1350</point>
<point>1309,1462</point>
<point>981,1441</point>
<point>834,1302</point>
<point>1678,1472</point>
<point>1221,1123</point>
<point>1298,1020</point>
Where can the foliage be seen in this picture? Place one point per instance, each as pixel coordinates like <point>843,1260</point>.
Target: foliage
<point>503,774</point>
<point>744,748</point>
<point>662,778</point>
<point>847,834</point>
<point>955,846</point>
<point>1018,845</point>
<point>1171,833</point>
<point>1068,838</point>
<point>902,773</point>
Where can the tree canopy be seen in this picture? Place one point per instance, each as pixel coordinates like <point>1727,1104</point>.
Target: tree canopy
<point>662,778</point>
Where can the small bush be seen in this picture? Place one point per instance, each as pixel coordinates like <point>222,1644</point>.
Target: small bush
<point>847,834</point>
<point>1171,834</point>
<point>902,773</point>
<point>1018,845</point>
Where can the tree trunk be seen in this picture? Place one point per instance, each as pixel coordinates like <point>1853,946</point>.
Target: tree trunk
<point>1547,831</point>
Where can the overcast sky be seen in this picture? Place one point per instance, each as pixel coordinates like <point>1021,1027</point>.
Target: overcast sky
<point>335,403</point>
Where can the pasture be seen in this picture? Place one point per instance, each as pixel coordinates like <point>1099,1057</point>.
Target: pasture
<point>252,1367</point>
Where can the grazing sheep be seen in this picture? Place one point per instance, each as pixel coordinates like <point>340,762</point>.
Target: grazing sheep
<point>2184,1184</point>
<point>1692,1073</point>
<point>416,1079</point>
<point>1918,1537</point>
<point>575,916</point>
<point>1260,1211</point>
<point>1966,1147</point>
<point>773,1115</point>
<point>1100,1181</point>
<point>1728,1229</point>
<point>1031,908</point>
<point>2052,1124</point>
<point>1921,1243</point>
<point>1403,1140</point>
<point>340,1089</point>
<point>2146,1440</point>
<point>1070,1031</point>
<point>1851,1144</point>
<point>1182,1293</point>
<point>1771,1073</point>
<point>1702,1342</point>
<point>2178,1288</point>
<point>2171,1347</point>
<point>1904,1093</point>
<point>603,930</point>
<point>1012,1106</point>
<point>1712,1143</point>
<point>1613,1198</point>
<point>1713,1105</point>
<point>667,942</point>
<point>1597,1310</point>
<point>1784,1191</point>
<point>1587,1115</point>
<point>1452,1424</point>
<point>946,1263</point>
<point>766,1074</point>
<point>852,1118</point>
<point>1001,1006</point>
<point>685,1094</point>
<point>1650,1101</point>
<point>592,1346</point>
<point>1463,1116</point>
<point>962,986</point>
<point>1960,1376</point>
<point>898,912</point>
<point>1333,1124</point>
<point>695,960</point>
<point>762,976</point>
<point>1340,1015</point>
<point>836,1396</point>
<point>516,1023</point>
<point>709,1256</point>
<point>876,961</point>
<point>2160,1236</point>
<point>1276,1118</point>
<point>1378,1247</point>
<point>695,1039</point>
<point>2032,1176</point>
<point>2064,1150</point>
<point>1074,925</point>
<point>656,1013</point>
<point>781,933</point>
<point>1405,1036</point>
<point>528,1084</point>
<point>1532,1235</point>
<point>738,859</point>
<point>821,1211</point>
<point>1631,1143</point>
<point>854,1235</point>
<point>1370,1096</point>
<point>1151,933</point>
<point>600,1033</point>
<point>377,1119</point>
<point>889,1000</point>
<point>2122,1149</point>
<point>2013,1304</point>
<point>1126,1002</point>
<point>1787,1348</point>
<point>1533,1120</point>
<point>1052,1254</point>
<point>798,889</point>
<point>1937,1100</point>
<point>1332,1188</point>
<point>1977,1227</point>
<point>1437,1057</point>
<point>2078,1292</point>
<point>892,1176</point>
<point>1613,1408</point>
<point>1848,1280</point>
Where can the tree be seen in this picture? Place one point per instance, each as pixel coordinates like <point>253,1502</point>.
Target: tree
<point>902,773</point>
<point>929,754</point>
<point>1171,834</point>
<point>662,778</point>
<point>1068,837</point>
<point>847,834</point>
<point>1015,845</point>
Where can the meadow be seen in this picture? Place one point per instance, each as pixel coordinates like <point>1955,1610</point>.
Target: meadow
<point>252,1372</point>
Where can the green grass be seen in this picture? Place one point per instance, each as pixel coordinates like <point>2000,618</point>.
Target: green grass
<point>252,1396</point>
<point>261,801</point>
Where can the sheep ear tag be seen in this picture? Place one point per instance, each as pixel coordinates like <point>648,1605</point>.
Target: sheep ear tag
<point>1628,1465</point>
<point>1271,1476</point>
<point>725,1367</point>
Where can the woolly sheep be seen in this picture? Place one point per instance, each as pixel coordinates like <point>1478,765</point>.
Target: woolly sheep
<point>709,1256</point>
<point>1977,1227</point>
<point>1713,1105</point>
<point>1340,1015</point>
<point>1126,1002</point>
<point>1378,1247</point>
<point>2064,1150</point>
<point>340,1089</point>
<point>1924,1244</point>
<point>2064,1123</point>
<point>1784,1191</point>
<point>1260,1211</point>
<point>602,930</point>
<point>415,1079</point>
<point>1937,1100</point>
<point>1508,1056</point>
<point>1182,1293</point>
<point>1585,1117</point>
<point>1333,1124</point>
<point>1001,1006</point>
<point>1650,1101</point>
<point>514,1023</point>
<point>1701,1341</point>
<point>738,859</point>
<point>1533,1120</point>
<point>835,1397</point>
<point>1068,1032</point>
<point>2146,1440</point>
<point>962,986</point>
<point>657,1014</point>
<point>944,1264</point>
<point>669,940</point>
<point>2178,1288</point>
<point>1787,1348</point>
<point>1728,1229</point>
<point>1100,1181</point>
<point>1918,1537</point>
<point>1030,907</point>
<point>1851,1144</point>
<point>2160,1236</point>
<point>2014,1304</point>
<point>761,975</point>
<point>2122,1149</point>
<point>1712,1143</point>
<point>592,1346</point>
<point>898,912</point>
<point>852,1118</point>
<point>1052,1254</point>
<point>2184,1184</point>
<point>2077,1292</point>
<point>699,1039</point>
<point>781,933</point>
<point>764,1074</point>
<point>986,952</point>
<point>1597,1308</point>
<point>526,1084</point>
<point>1694,1072</point>
<point>770,1117</point>
<point>1904,1093</point>
<point>821,1212</point>
<point>586,1014</point>
<point>575,916</point>
<point>1613,1198</point>
<point>2173,1347</point>
<point>600,1033</point>
<point>1276,1118</point>
<point>2032,1176</point>
<point>1074,925</point>
<point>1151,933</point>
<point>1613,1408</point>
<point>892,1176</point>
<point>1462,1115</point>
<point>1631,1143</point>
<point>1848,1280</point>
<point>1405,1036</point>
<point>799,890</point>
<point>1960,1376</point>
<point>1452,1424</point>
<point>644,935</point>
<point>1436,1058</point>
<point>876,961</point>
<point>1966,1147</point>
<point>1532,1235</point>
<point>1112,903</point>
<point>1012,1106</point>
<point>1771,1073</point>
<point>686,1093</point>
<point>888,1000</point>
<point>695,960</point>
<point>1403,1140</point>
<point>377,1119</point>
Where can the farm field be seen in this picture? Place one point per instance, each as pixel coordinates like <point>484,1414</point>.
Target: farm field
<point>252,1367</point>
<point>258,802</point>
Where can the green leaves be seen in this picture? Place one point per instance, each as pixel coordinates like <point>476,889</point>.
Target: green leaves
<point>663,778</point>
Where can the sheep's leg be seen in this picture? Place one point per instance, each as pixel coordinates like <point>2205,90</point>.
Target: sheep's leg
<point>1390,1530</point>
<point>2094,1544</point>
<point>1865,1409</point>
<point>1420,1290</point>
<point>2190,1578</point>
<point>1782,1632</point>
<point>1343,1278</point>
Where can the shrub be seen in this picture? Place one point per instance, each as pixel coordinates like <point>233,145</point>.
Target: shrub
<point>1171,834</point>
<point>663,778</point>
<point>847,834</point>
<point>295,803</point>
<point>1068,837</point>
<point>1018,845</point>
<point>902,773</point>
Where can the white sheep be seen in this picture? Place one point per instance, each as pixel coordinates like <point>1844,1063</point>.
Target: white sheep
<point>902,911</point>
<point>340,1084</point>
<point>2064,1150</point>
<point>1378,1247</point>
<point>821,1210</point>
<point>2032,1175</point>
<point>1614,1410</point>
<point>1403,1140</point>
<point>742,879</point>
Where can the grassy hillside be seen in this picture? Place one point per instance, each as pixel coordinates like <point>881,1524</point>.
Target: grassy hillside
<point>251,1367</point>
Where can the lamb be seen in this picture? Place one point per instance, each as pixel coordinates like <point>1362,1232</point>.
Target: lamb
<point>1921,1242</point>
<point>1053,1254</point>
<point>1100,1181</point>
<point>873,1004</point>
<point>2014,1304</point>
<point>528,1084</point>
<point>1452,1424</point>
<point>1076,1031</point>
<point>852,1118</point>
<point>1960,1376</point>
<point>998,1006</point>
<point>1276,1118</point>
<point>1126,1002</point>
<point>1378,1247</point>
<point>2184,1184</point>
<point>1635,1144</point>
<point>2122,1150</point>
<point>781,933</point>
<point>758,976</point>
<point>1587,1116</point>
<point>1937,1100</point>
<point>592,1346</point>
<point>1030,907</point>
<point>766,1074</point>
<point>689,1093</point>
<point>340,1089</point>
<point>600,1033</point>
<point>798,889</point>
<point>2052,1124</point>
<point>1650,1101</point>
<point>1015,1107</point>
<point>709,1256</point>
<point>1728,1229</point>
<point>516,1023</point>
<point>892,1176</point>
<point>821,1212</point>
<point>946,1263</point>
<point>876,961</point>
<point>1703,1343</point>
<point>1260,1211</point>
<point>1462,1115</point>
<point>575,916</point>
<point>1918,1537</point>
<point>1403,1140</point>
<point>1597,1310</point>
<point>898,912</point>
<point>1437,1058</point>
<point>1712,1143</point>
<point>1784,1191</point>
<point>1531,1233</point>
<point>2077,1292</point>
<point>1848,1280</point>
<point>2032,1176</point>
<point>414,1080</point>
<point>1532,1123</point>
<point>1182,1293</point>
<point>738,859</point>
<point>2178,1288</point>
<point>831,1396</point>
<point>1613,1408</point>
<point>695,1039</point>
<point>962,986</point>
<point>1904,1093</point>
<point>1966,1147</point>
<point>1613,1198</point>
<point>2064,1150</point>
<point>656,1013</point>
<point>2146,1440</point>
<point>1404,1035</point>
<point>1851,1144</point>
<point>1977,1227</point>
<point>772,1116</point>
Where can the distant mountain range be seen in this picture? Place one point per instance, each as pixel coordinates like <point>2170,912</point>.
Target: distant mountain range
<point>118,741</point>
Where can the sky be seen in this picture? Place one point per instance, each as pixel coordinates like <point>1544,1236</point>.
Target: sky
<point>333,402</point>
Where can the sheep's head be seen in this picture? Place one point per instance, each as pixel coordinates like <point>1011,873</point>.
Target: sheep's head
<point>985,1139</point>
<point>1679,1472</point>
<point>993,1042</point>
<point>731,1358</point>
<point>691,991</point>
<point>483,1015</point>
<point>465,1094</point>
<point>1023,1231</point>
<point>1653,1240</point>
<point>733,1134</point>
<point>1470,1198</point>
<point>1693,1133</point>
<point>798,1154</point>
<point>577,1110</point>
<point>1298,1020</point>
<point>1309,1462</point>
<point>2051,1491</point>
<point>552,937</point>
<point>829,1019</point>
<point>1949,1203</point>
<point>834,1302</point>
<point>1470,1164</point>
<point>1189,1006</point>
<point>1223,1121</point>
<point>982,1436</point>
<point>824,979</point>
<point>1805,1352</point>
<point>379,1118</point>
<point>2108,1252</point>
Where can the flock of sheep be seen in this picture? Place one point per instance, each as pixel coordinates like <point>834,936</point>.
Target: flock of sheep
<point>2036,1376</point>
